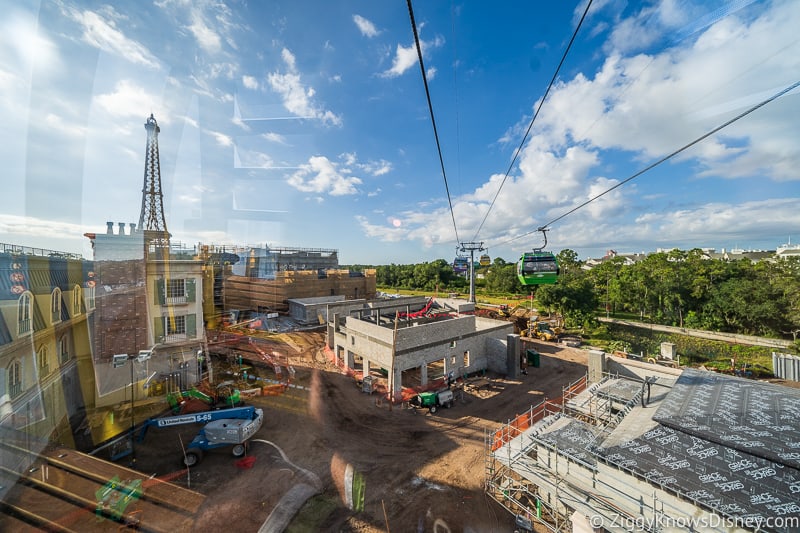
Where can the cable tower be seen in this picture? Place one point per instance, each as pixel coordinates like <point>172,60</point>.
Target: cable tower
<point>151,218</point>
<point>471,247</point>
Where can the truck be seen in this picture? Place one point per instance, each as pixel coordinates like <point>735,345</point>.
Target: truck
<point>433,400</point>
<point>223,427</point>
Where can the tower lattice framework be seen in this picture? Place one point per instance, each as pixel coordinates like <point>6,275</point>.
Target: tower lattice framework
<point>151,218</point>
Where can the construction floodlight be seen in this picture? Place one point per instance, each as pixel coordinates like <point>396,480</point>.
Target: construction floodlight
<point>144,355</point>
<point>119,359</point>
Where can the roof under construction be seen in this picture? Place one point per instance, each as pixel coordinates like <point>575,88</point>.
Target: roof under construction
<point>728,445</point>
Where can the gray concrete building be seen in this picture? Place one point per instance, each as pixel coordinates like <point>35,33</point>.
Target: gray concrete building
<point>415,340</point>
<point>649,448</point>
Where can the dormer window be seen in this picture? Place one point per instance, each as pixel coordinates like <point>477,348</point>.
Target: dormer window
<point>24,313</point>
<point>77,295</point>
<point>55,306</point>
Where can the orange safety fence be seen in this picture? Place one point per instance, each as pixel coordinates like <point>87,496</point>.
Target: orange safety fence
<point>576,388</point>
<point>522,422</point>
<point>273,390</point>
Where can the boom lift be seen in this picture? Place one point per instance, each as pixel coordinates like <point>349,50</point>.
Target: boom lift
<point>223,427</point>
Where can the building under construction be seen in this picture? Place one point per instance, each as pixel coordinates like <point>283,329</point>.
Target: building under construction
<point>260,280</point>
<point>641,447</point>
<point>416,341</point>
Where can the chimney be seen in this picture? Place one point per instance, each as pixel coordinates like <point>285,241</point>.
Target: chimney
<point>133,227</point>
<point>122,228</point>
<point>110,228</point>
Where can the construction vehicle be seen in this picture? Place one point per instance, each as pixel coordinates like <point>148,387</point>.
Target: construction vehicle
<point>542,330</point>
<point>224,427</point>
<point>433,400</point>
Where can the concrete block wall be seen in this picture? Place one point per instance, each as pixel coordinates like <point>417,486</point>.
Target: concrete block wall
<point>400,304</point>
<point>638,370</point>
<point>308,310</point>
<point>368,340</point>
<point>437,332</point>
<point>445,351</point>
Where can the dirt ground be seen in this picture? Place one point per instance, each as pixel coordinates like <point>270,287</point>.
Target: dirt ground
<point>422,472</point>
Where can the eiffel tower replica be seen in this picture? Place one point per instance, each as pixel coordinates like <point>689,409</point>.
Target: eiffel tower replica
<point>151,219</point>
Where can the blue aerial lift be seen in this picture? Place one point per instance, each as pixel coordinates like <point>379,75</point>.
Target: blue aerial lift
<point>223,427</point>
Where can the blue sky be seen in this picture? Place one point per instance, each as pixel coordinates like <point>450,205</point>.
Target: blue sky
<point>305,123</point>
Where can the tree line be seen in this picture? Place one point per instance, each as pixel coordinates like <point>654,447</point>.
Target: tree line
<point>677,288</point>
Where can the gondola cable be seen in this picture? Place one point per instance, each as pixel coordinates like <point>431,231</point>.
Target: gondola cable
<point>433,120</point>
<point>533,119</point>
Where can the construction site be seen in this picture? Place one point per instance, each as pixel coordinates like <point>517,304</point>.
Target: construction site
<point>159,387</point>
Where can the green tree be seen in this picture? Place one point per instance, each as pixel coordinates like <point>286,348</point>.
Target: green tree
<point>575,300</point>
<point>502,278</point>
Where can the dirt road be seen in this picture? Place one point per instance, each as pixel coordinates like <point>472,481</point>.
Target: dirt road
<point>422,472</point>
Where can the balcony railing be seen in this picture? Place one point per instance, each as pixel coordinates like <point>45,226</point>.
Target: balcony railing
<point>175,337</point>
<point>172,300</point>
<point>43,252</point>
<point>15,389</point>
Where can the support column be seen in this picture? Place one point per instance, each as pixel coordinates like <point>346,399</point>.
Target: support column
<point>331,331</point>
<point>513,353</point>
<point>365,363</point>
<point>349,359</point>
<point>597,365</point>
<point>397,384</point>
<point>423,374</point>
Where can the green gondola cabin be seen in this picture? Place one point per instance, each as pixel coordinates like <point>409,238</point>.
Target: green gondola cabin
<point>537,268</point>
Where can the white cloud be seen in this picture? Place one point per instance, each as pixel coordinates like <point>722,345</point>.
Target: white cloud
<point>127,100</point>
<point>207,38</point>
<point>373,168</point>
<point>406,57</point>
<point>275,138</point>
<point>321,175</point>
<point>377,168</point>
<point>366,27</point>
<point>103,34</point>
<point>249,82</point>
<point>56,124</point>
<point>297,98</point>
<point>37,232</point>
<point>221,138</point>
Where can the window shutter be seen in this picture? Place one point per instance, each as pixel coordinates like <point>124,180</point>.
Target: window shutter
<point>191,325</point>
<point>190,289</point>
<point>158,329</point>
<point>159,297</point>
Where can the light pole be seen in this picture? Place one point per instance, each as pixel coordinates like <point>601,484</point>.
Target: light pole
<point>119,360</point>
<point>131,358</point>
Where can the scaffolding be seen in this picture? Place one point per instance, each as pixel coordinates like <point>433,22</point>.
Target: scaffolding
<point>513,449</point>
<point>605,451</point>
